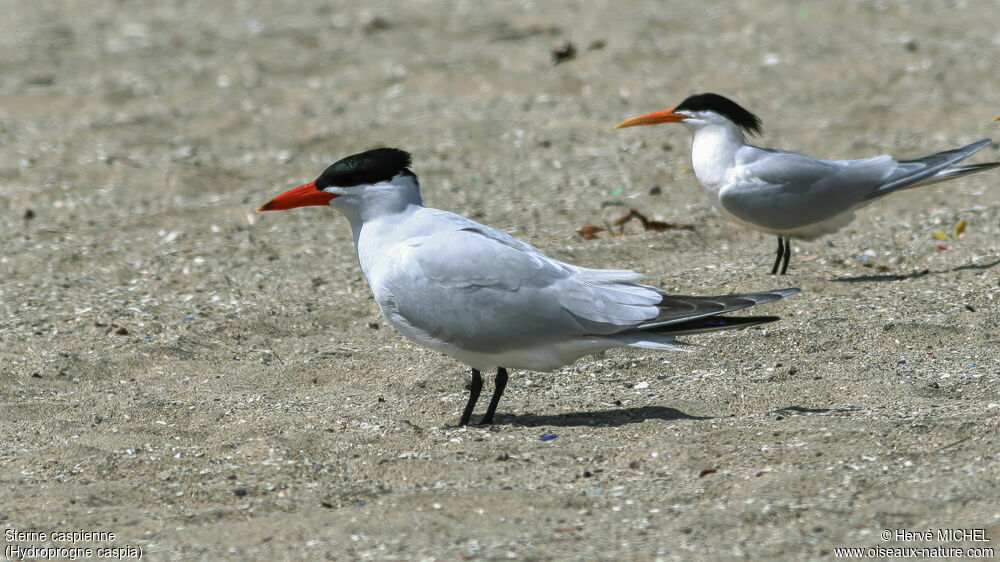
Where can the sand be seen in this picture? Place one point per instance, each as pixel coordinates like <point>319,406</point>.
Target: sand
<point>208,382</point>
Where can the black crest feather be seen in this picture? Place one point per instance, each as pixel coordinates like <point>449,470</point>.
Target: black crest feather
<point>725,107</point>
<point>368,167</point>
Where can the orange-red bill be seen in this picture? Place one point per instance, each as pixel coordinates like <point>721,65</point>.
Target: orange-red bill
<point>998,118</point>
<point>654,118</point>
<point>302,196</point>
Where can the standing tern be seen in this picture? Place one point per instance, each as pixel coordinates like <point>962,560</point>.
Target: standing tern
<point>486,298</point>
<point>789,194</point>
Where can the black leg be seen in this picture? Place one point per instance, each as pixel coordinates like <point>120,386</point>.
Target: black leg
<point>777,260</point>
<point>788,254</point>
<point>499,385</point>
<point>477,387</point>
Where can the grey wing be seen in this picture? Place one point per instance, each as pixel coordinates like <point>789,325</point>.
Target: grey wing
<point>485,293</point>
<point>783,191</point>
<point>599,295</point>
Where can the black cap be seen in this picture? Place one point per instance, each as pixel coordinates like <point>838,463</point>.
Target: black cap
<point>368,167</point>
<point>725,107</point>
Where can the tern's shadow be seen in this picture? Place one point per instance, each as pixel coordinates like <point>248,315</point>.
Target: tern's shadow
<point>882,278</point>
<point>625,416</point>
<point>806,411</point>
<point>977,266</point>
<point>913,275</point>
<point>612,418</point>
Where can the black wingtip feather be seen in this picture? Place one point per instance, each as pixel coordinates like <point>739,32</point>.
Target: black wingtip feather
<point>725,107</point>
<point>678,309</point>
<point>714,324</point>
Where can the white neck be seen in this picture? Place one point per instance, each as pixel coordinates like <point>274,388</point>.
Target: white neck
<point>389,198</point>
<point>713,150</point>
<point>382,200</point>
<point>376,210</point>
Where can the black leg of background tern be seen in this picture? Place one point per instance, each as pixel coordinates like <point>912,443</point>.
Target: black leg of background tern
<point>777,260</point>
<point>788,254</point>
<point>499,385</point>
<point>477,387</point>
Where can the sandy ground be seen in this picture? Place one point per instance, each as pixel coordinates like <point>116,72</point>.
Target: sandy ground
<point>205,381</point>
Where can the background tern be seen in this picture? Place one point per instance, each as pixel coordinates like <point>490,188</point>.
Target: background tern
<point>789,194</point>
<point>486,298</point>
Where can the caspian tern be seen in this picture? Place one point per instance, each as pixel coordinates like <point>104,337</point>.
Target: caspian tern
<point>789,194</point>
<point>486,298</point>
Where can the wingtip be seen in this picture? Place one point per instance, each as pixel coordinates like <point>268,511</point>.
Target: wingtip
<point>776,294</point>
<point>715,323</point>
<point>974,147</point>
<point>764,297</point>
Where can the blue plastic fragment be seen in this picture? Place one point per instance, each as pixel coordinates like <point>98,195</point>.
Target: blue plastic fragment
<point>548,437</point>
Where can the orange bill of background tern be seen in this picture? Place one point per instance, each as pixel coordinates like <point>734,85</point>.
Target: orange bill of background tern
<point>788,194</point>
